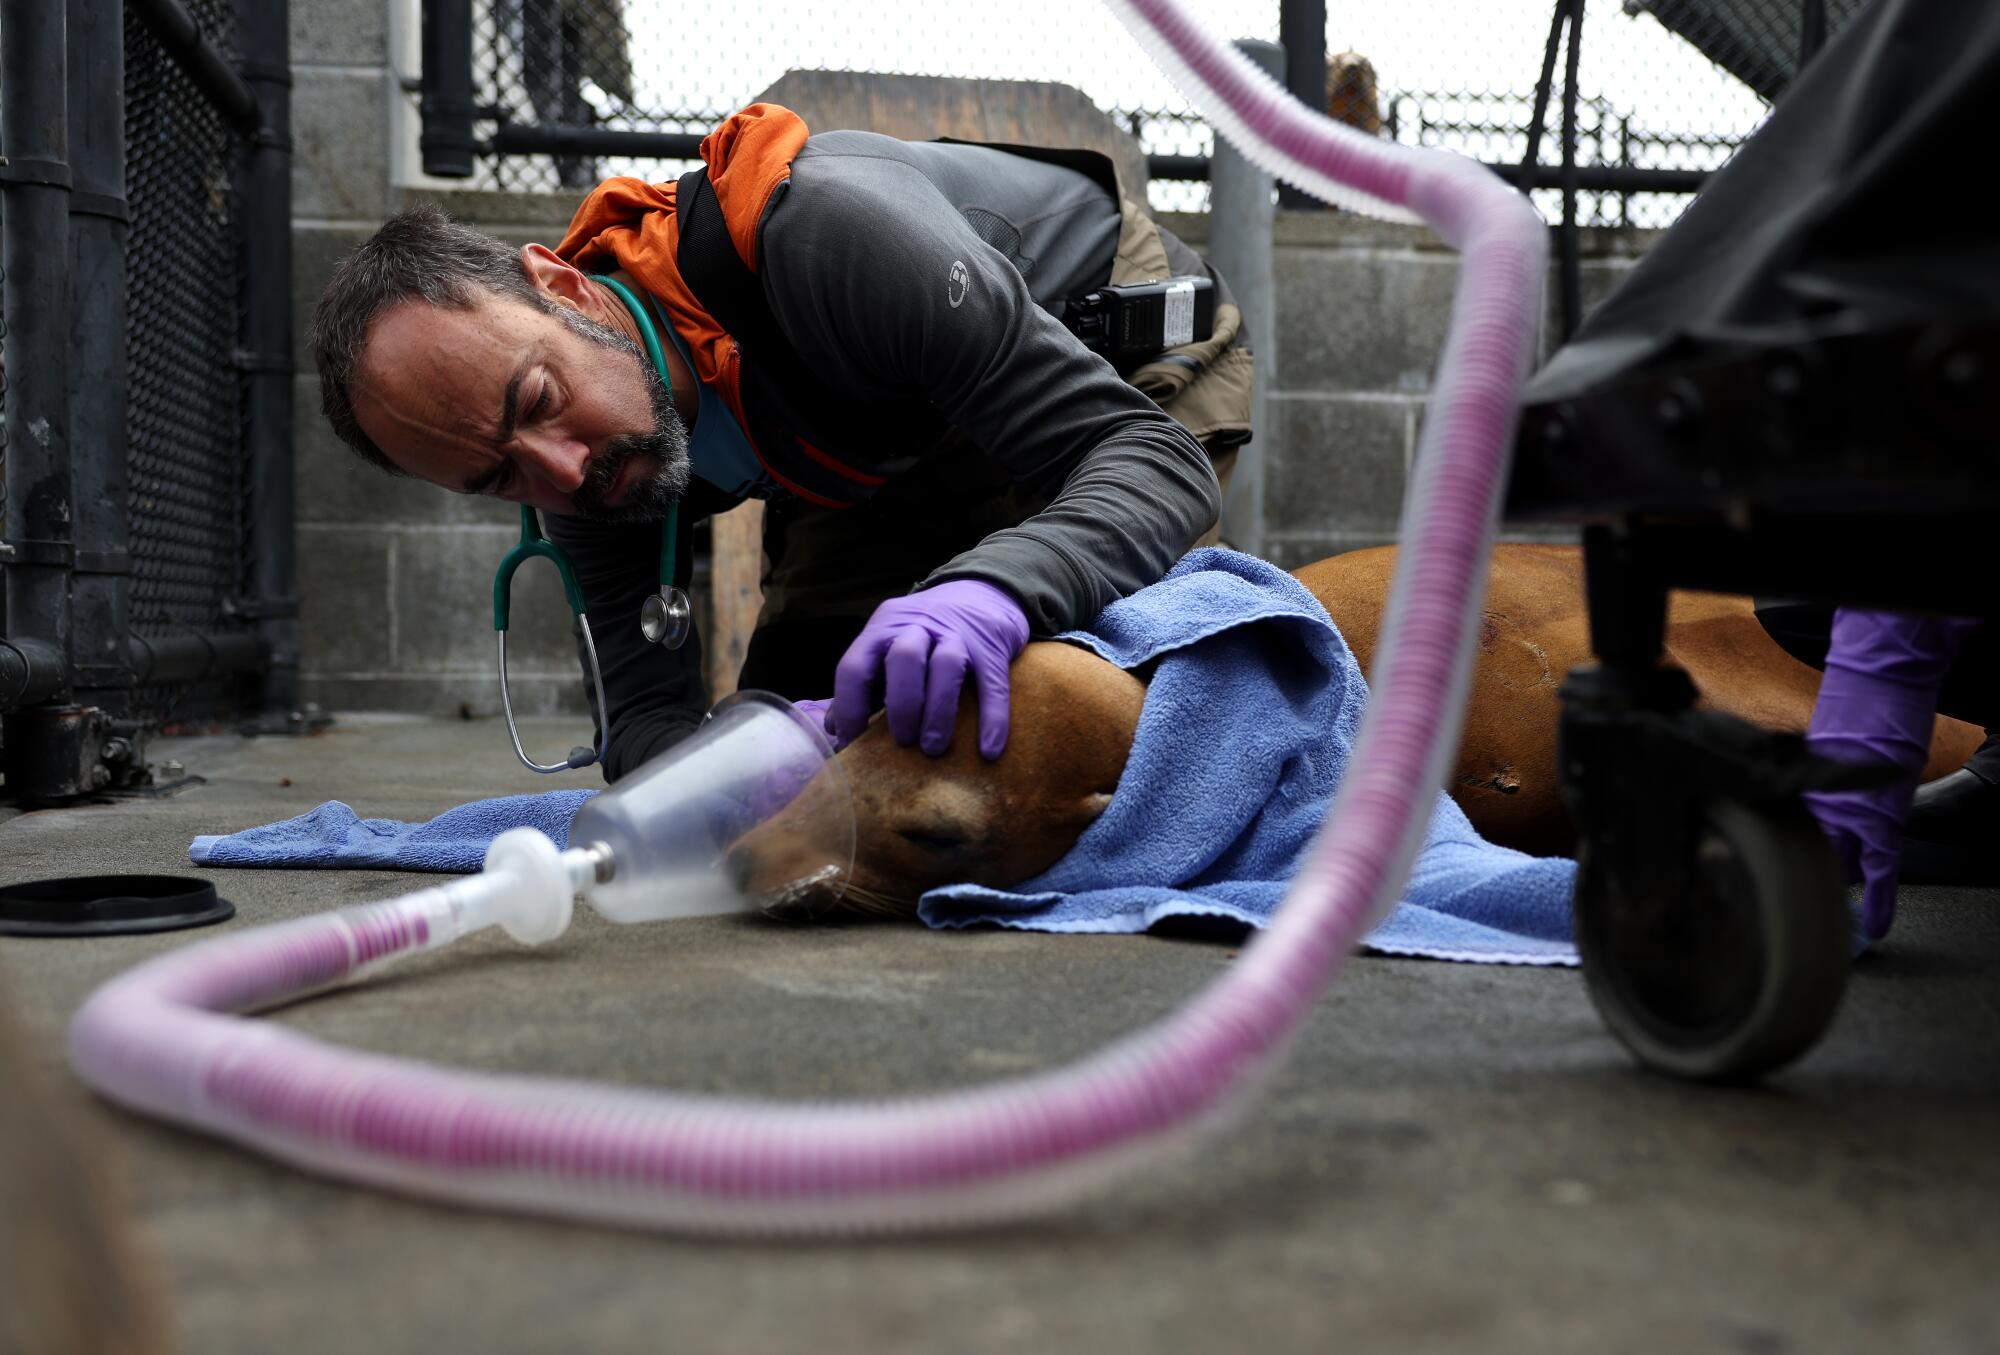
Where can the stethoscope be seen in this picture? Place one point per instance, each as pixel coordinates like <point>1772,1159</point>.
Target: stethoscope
<point>664,617</point>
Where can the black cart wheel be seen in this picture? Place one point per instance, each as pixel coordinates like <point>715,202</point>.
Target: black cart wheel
<point>1739,972</point>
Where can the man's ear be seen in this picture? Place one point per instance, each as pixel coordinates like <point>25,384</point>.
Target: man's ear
<point>555,279</point>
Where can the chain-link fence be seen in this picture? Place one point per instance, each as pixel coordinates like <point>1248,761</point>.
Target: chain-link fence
<point>1661,84</point>
<point>184,423</point>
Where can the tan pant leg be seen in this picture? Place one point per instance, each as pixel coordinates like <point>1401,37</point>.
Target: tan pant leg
<point>1206,387</point>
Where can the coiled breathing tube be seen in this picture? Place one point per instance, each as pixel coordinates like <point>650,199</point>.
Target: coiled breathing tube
<point>165,1039</point>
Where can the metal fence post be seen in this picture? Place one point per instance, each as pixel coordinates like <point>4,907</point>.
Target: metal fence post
<point>1812,31</point>
<point>1302,35</point>
<point>100,592</point>
<point>39,496</point>
<point>1572,268</point>
<point>447,139</point>
<point>1567,17</point>
<point>1538,120</point>
<point>264,190</point>
<point>1240,217</point>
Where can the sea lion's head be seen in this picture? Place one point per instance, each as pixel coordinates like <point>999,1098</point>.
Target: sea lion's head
<point>922,822</point>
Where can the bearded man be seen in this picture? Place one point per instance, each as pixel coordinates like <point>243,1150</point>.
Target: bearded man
<point>865,333</point>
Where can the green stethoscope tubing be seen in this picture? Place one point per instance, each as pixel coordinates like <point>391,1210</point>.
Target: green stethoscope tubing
<point>664,617</point>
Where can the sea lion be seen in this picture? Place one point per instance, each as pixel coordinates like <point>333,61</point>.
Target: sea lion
<point>922,822</point>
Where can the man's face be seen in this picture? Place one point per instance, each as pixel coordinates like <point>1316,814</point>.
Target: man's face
<point>535,406</point>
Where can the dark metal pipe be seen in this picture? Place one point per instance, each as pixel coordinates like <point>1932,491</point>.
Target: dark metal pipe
<point>30,673</point>
<point>1608,178</point>
<point>1302,33</point>
<point>34,109</point>
<point>520,138</point>
<point>192,657</point>
<point>264,197</point>
<point>1177,167</point>
<point>1572,267</point>
<point>1812,31</point>
<point>447,140</point>
<point>204,62</point>
<point>100,588</point>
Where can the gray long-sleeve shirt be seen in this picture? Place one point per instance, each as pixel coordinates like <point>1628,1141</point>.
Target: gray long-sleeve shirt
<point>934,273</point>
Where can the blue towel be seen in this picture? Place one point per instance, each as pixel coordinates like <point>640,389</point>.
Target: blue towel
<point>1249,664</point>
<point>335,837</point>
<point>1251,714</point>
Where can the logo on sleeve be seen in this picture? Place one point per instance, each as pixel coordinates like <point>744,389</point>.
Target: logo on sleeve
<point>955,284</point>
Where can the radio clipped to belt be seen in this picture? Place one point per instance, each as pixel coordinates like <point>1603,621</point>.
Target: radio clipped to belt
<point>1131,321</point>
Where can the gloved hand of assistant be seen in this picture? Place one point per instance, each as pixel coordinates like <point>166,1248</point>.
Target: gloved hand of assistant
<point>913,659</point>
<point>1878,703</point>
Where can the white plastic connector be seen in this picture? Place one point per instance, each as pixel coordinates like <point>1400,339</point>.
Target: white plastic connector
<point>535,897</point>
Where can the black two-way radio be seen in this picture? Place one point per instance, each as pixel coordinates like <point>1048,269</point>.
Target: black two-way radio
<point>1134,320</point>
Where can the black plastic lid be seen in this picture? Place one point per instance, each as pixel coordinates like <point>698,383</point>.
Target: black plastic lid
<point>107,905</point>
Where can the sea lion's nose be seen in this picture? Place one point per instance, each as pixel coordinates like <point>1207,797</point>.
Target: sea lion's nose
<point>775,880</point>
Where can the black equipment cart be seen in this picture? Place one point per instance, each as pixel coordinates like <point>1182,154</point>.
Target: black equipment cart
<point>1796,392</point>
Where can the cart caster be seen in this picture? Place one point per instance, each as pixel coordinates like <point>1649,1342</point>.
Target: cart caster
<point>1737,971</point>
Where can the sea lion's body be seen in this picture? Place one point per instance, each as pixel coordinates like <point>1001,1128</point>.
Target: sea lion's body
<point>1535,630</point>
<point>922,822</point>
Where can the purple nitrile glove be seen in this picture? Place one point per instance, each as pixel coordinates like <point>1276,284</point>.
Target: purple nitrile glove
<point>1878,703</point>
<point>917,652</point>
<point>814,710</point>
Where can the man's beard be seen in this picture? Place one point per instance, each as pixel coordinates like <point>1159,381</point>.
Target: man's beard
<point>650,497</point>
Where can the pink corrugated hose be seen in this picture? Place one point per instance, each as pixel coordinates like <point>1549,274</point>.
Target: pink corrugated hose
<point>170,1038</point>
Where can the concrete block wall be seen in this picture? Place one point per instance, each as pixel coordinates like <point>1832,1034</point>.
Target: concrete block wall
<point>1362,312</point>
<point>395,576</point>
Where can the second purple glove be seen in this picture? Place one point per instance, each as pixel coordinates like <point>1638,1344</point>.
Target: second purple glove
<point>1878,703</point>
<point>915,655</point>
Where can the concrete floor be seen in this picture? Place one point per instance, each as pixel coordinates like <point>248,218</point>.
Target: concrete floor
<point>1455,1158</point>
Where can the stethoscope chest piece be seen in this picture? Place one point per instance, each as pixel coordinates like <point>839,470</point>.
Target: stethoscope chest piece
<point>665,616</point>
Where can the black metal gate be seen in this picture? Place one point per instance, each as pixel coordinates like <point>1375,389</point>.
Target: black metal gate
<point>146,443</point>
